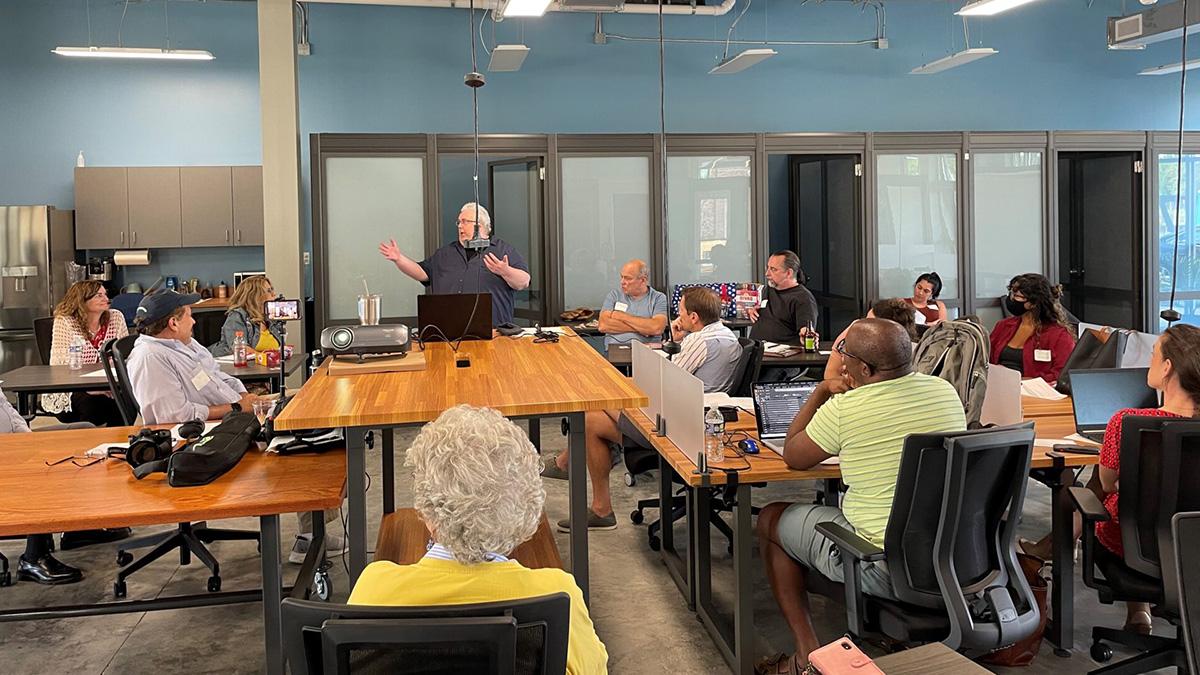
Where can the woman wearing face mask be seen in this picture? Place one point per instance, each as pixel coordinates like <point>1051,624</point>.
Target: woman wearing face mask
<point>1034,340</point>
<point>926,289</point>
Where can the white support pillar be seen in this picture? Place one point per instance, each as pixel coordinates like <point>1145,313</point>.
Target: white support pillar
<point>278,99</point>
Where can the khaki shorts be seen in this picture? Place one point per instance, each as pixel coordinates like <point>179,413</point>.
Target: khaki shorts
<point>800,539</point>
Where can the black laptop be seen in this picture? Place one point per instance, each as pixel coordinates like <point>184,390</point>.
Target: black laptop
<point>449,316</point>
<point>775,406</point>
<point>1097,394</point>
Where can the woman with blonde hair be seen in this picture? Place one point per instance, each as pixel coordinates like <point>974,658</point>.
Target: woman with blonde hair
<point>246,314</point>
<point>84,315</point>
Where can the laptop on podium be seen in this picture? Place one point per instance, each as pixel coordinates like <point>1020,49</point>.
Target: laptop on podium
<point>1097,394</point>
<point>449,316</point>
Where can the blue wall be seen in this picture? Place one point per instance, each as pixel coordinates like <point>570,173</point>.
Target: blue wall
<point>387,69</point>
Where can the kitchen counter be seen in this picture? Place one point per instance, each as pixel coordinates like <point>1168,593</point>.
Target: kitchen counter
<point>211,304</point>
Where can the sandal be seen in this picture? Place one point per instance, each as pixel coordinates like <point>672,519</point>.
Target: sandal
<point>569,315</point>
<point>1140,627</point>
<point>584,314</point>
<point>779,664</point>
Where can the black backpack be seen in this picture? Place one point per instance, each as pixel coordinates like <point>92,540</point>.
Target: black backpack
<point>210,456</point>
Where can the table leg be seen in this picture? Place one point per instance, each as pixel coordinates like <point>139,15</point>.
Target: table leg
<point>678,566</point>
<point>23,404</point>
<point>535,433</point>
<point>833,492</point>
<point>356,489</point>
<point>1062,592</point>
<point>272,593</point>
<point>700,546</point>
<point>389,470</point>
<point>743,592</point>
<point>577,477</point>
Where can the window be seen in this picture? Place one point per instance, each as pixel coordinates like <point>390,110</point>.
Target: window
<point>605,222</point>
<point>1008,219</point>
<point>708,219</point>
<point>1170,180</point>
<point>917,204</point>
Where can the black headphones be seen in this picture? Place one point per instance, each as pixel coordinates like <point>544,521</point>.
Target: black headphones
<point>152,445</point>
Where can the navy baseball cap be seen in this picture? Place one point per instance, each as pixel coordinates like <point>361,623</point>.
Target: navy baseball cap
<point>159,305</point>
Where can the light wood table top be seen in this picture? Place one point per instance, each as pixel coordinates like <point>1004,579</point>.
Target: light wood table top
<point>514,376</point>
<point>768,466</point>
<point>45,379</point>
<point>1039,407</point>
<point>36,498</point>
<point>934,658</point>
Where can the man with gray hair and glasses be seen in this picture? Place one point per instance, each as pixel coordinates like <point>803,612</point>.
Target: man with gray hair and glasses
<point>476,486</point>
<point>635,311</point>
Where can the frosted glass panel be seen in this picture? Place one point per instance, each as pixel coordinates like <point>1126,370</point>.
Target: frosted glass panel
<point>369,200</point>
<point>1008,218</point>
<point>917,203</point>
<point>708,219</point>
<point>606,223</point>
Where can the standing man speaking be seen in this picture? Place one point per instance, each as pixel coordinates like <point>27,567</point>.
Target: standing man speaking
<point>454,268</point>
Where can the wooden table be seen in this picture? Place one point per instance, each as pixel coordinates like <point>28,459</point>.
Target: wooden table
<point>693,573</point>
<point>28,382</point>
<point>517,377</point>
<point>934,658</point>
<point>1033,408</point>
<point>70,498</point>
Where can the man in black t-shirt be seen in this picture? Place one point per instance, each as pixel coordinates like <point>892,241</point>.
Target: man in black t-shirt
<point>788,308</point>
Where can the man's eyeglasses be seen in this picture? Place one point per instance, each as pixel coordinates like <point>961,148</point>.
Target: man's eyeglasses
<point>840,348</point>
<point>77,461</point>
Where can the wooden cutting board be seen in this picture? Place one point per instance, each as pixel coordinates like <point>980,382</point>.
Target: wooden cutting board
<point>384,363</point>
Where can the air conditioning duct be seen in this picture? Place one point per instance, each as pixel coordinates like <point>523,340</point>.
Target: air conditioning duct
<point>1156,24</point>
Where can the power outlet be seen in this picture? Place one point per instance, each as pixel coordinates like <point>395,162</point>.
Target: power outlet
<point>307,258</point>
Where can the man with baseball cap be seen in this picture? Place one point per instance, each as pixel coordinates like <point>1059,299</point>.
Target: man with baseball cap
<point>174,379</point>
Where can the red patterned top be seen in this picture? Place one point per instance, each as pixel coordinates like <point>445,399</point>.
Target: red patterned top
<point>1109,533</point>
<point>98,338</point>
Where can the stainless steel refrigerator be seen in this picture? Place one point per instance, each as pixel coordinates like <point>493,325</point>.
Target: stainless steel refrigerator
<point>36,243</point>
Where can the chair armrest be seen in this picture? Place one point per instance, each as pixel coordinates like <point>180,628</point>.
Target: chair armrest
<point>1088,505</point>
<point>850,543</point>
<point>65,427</point>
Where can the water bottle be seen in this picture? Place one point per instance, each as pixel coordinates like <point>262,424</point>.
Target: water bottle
<point>75,354</point>
<point>714,435</point>
<point>239,350</point>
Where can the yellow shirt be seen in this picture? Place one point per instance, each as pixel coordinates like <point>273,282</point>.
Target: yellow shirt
<point>266,341</point>
<point>448,582</point>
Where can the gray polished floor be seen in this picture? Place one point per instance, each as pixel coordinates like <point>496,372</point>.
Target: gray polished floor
<point>638,613</point>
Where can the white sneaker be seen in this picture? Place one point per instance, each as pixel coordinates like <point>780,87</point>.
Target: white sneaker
<point>334,545</point>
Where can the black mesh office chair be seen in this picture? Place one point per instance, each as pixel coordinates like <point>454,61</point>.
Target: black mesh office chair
<point>1186,529</point>
<point>43,337</point>
<point>525,637</point>
<point>188,538</point>
<point>949,550</point>
<point>1160,476</point>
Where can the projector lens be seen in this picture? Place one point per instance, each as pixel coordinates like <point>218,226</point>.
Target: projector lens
<point>342,338</point>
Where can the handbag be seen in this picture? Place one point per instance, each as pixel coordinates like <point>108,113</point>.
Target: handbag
<point>1095,349</point>
<point>209,457</point>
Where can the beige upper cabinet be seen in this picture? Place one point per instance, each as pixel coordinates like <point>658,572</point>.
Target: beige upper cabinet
<point>101,208</point>
<point>248,205</point>
<point>154,209</point>
<point>206,202</point>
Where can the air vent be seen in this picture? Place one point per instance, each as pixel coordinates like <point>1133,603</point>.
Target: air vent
<point>1127,28</point>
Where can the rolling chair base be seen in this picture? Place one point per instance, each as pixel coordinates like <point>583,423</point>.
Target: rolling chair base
<point>190,540</point>
<point>1156,652</point>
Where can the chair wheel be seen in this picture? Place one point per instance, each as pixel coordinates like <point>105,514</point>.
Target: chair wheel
<point>636,517</point>
<point>119,589</point>
<point>323,585</point>
<point>124,558</point>
<point>630,479</point>
<point>214,584</point>
<point>1101,653</point>
<point>655,543</point>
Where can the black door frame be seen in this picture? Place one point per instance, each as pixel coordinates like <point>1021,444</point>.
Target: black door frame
<point>538,316</point>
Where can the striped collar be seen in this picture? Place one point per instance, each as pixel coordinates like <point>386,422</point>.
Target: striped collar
<point>436,551</point>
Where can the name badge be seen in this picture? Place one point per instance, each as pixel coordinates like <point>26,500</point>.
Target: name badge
<point>620,307</point>
<point>1041,355</point>
<point>200,379</point>
<point>763,303</point>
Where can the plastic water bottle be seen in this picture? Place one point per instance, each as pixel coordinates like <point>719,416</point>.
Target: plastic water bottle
<point>239,350</point>
<point>714,435</point>
<point>75,354</point>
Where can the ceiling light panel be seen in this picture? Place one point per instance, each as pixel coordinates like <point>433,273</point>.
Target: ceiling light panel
<point>990,7</point>
<point>953,61</point>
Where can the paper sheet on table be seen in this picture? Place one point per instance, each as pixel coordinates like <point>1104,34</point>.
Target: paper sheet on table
<point>102,449</point>
<point>1039,388</point>
<point>720,398</point>
<point>224,359</point>
<point>277,441</point>
<point>1002,400</point>
<point>528,332</point>
<point>1073,439</point>
<point>95,373</point>
<point>779,349</point>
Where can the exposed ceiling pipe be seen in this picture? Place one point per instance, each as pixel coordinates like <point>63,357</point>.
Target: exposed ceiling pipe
<point>627,8</point>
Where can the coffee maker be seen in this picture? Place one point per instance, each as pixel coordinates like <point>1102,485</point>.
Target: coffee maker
<point>100,269</point>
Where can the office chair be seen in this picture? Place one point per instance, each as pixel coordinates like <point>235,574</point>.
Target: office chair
<point>526,636</point>
<point>189,538</point>
<point>43,336</point>
<point>1160,461</point>
<point>949,550</point>
<point>1186,529</point>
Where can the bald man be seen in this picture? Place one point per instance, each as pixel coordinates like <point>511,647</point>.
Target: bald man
<point>862,418</point>
<point>634,311</point>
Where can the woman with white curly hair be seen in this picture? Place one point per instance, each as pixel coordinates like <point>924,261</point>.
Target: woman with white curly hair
<point>478,488</point>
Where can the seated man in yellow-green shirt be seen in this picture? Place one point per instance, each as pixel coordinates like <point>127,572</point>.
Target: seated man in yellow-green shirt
<point>477,485</point>
<point>862,419</point>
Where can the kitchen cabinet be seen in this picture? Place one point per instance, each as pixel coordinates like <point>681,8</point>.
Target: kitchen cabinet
<point>101,207</point>
<point>206,205</point>
<point>248,205</point>
<point>154,208</point>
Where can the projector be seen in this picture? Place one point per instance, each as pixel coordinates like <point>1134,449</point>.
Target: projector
<point>363,340</point>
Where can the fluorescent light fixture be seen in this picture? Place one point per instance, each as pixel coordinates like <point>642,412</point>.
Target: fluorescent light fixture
<point>524,8</point>
<point>990,7</point>
<point>1171,68</point>
<point>742,61</point>
<point>135,53</point>
<point>507,58</point>
<point>953,61</point>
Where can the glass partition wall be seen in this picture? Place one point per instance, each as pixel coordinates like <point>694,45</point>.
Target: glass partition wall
<point>1008,223</point>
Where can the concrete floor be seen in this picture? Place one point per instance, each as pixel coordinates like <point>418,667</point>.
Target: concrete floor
<point>635,604</point>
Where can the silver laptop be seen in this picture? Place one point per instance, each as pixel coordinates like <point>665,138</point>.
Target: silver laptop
<point>775,406</point>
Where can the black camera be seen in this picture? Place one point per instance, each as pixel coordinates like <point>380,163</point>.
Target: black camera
<point>149,445</point>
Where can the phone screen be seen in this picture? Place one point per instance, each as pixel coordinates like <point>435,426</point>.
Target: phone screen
<point>283,310</point>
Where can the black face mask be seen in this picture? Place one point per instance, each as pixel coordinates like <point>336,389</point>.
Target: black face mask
<point>1014,307</point>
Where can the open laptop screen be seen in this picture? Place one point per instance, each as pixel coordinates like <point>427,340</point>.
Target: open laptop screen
<point>1097,394</point>
<point>776,405</point>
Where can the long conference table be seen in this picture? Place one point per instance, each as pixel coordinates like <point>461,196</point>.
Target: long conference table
<point>519,378</point>
<point>733,632</point>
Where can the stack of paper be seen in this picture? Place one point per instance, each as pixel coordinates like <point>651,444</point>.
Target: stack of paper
<point>777,349</point>
<point>1038,388</point>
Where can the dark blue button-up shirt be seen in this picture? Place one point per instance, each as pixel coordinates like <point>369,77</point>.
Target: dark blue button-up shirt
<point>453,269</point>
